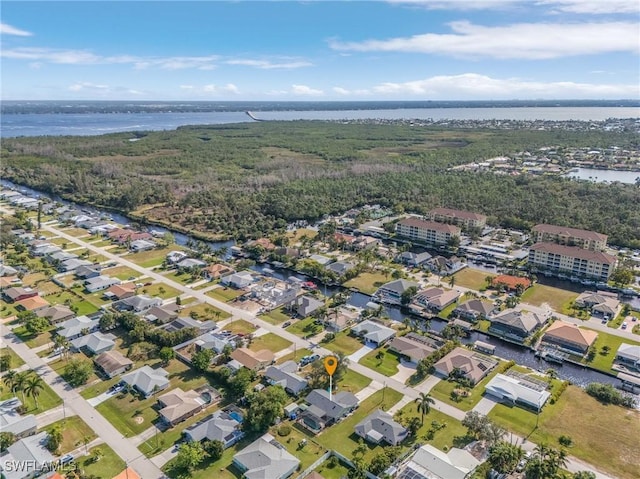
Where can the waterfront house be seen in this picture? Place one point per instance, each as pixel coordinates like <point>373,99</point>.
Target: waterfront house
<point>373,333</point>
<point>473,310</point>
<point>433,299</point>
<point>515,325</point>
<point>629,355</point>
<point>238,280</point>
<point>413,346</point>
<point>518,390</point>
<point>305,305</point>
<point>569,337</point>
<point>462,362</point>
<point>413,260</point>
<point>599,303</point>
<point>216,271</point>
<point>391,292</point>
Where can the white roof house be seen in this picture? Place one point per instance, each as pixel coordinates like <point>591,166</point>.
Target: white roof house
<point>29,452</point>
<point>429,462</point>
<point>374,332</point>
<point>95,343</point>
<point>13,422</point>
<point>265,458</point>
<point>73,328</point>
<point>517,391</point>
<point>147,380</point>
<point>629,353</point>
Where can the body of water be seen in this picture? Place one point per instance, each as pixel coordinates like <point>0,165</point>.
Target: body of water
<point>59,124</point>
<point>604,176</point>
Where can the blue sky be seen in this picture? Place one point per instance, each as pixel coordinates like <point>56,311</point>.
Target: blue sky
<point>321,50</point>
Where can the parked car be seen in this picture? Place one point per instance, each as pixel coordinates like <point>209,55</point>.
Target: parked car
<point>624,325</point>
<point>286,323</point>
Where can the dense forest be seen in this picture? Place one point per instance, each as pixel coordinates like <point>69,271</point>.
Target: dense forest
<point>245,180</point>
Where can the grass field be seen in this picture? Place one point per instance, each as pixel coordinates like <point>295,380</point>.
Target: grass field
<point>47,399</point>
<point>154,257</point>
<point>240,326</point>
<point>224,294</point>
<point>602,361</point>
<point>294,236</point>
<point>558,299</point>
<point>368,283</point>
<point>33,278</point>
<point>76,232</point>
<point>305,328</point>
<point>388,365</point>
<point>96,388</point>
<point>276,316</point>
<point>606,436</point>
<point>160,290</point>
<point>205,312</point>
<point>353,382</point>
<point>470,278</point>
<point>343,343</point>
<point>128,414</point>
<point>454,434</point>
<point>109,464</point>
<point>74,432</point>
<point>122,272</point>
<point>15,361</point>
<point>337,471</point>
<point>270,341</point>
<point>33,340</point>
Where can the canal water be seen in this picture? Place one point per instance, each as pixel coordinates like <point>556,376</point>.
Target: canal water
<point>523,356</point>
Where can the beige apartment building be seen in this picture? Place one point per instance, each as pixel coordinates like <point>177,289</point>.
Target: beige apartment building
<point>564,235</point>
<point>466,219</point>
<point>424,231</point>
<point>571,260</point>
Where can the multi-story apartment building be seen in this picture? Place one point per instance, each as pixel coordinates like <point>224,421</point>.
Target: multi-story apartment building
<point>569,236</point>
<point>424,231</point>
<point>466,219</point>
<point>578,262</point>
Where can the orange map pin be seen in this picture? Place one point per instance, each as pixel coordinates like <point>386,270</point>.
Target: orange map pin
<point>330,364</point>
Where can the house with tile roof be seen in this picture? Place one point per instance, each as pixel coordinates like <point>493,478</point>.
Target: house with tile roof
<point>373,332</point>
<point>516,325</point>
<point>462,362</point>
<point>569,337</point>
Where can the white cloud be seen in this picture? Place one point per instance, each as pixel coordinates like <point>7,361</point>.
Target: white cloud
<point>459,4</point>
<point>594,7</point>
<point>209,89</point>
<point>186,87</point>
<point>341,91</point>
<point>305,90</point>
<point>476,86</point>
<point>231,88</point>
<point>84,86</point>
<point>6,29</point>
<point>525,40</point>
<point>268,65</point>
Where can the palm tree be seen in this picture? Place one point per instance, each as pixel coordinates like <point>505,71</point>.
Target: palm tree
<point>424,402</point>
<point>452,281</point>
<point>10,380</point>
<point>21,382</point>
<point>34,385</point>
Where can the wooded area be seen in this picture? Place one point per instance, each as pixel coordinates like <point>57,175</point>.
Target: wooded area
<point>245,180</point>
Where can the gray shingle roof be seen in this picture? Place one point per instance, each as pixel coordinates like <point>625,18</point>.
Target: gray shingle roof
<point>265,458</point>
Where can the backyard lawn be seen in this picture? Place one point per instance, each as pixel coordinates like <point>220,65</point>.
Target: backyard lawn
<point>74,432</point>
<point>308,453</point>
<point>558,299</point>
<point>368,283</point>
<point>276,316</point>
<point>270,341</point>
<point>470,278</point>
<point>224,294</point>
<point>33,340</point>
<point>604,361</point>
<point>15,361</point>
<point>128,414</point>
<point>109,464</point>
<point>33,278</point>
<point>387,364</point>
<point>602,435</point>
<point>343,343</point>
<point>330,471</point>
<point>180,277</point>
<point>240,326</point>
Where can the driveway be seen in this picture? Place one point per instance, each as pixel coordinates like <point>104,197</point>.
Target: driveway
<point>485,405</point>
<point>362,352</point>
<point>369,390</point>
<point>405,370</point>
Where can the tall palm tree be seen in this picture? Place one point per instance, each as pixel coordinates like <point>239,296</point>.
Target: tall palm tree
<point>9,380</point>
<point>424,402</point>
<point>21,382</point>
<point>33,387</point>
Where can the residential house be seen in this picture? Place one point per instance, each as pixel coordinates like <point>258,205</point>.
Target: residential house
<point>94,343</point>
<point>473,310</point>
<point>216,271</point>
<point>216,342</point>
<point>186,322</point>
<point>306,305</point>
<point>320,259</point>
<point>413,260</point>
<point>287,251</point>
<point>162,314</point>
<point>286,376</point>
<point>445,266</point>
<point>100,283</point>
<point>391,293</point>
<point>189,263</point>
<point>569,337</point>
<point>372,332</point>
<point>263,243</point>
<point>364,242</point>
<point>75,327</point>
<point>265,458</point>
<point>220,426</point>
<point>273,294</point>
<point>518,391</point>
<point>340,267</point>
<point>141,245</point>
<point>629,355</point>
<point>178,405</point>
<point>429,462</point>
<point>17,294</point>
<point>433,299</point>
<point>462,362</point>
<point>56,313</point>
<point>60,257</point>
<point>15,423</point>
<point>9,281</point>
<point>121,291</point>
<point>122,236</point>
<point>73,264</point>
<point>42,249</point>
<point>511,283</point>
<point>379,426</point>
<point>429,232</point>
<point>146,380</point>
<point>462,218</point>
<point>600,303</point>
<point>137,304</point>
<point>29,452</point>
<point>341,318</point>
<point>254,360</point>
<point>174,257</point>
<point>516,325</point>
<point>582,263</point>
<point>34,303</point>
<point>564,235</point>
<point>238,280</point>
<point>86,272</point>
<point>113,363</point>
<point>6,270</point>
<point>413,346</point>
<point>324,411</point>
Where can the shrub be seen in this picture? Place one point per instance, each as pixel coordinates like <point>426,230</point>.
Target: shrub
<point>565,441</point>
<point>284,430</point>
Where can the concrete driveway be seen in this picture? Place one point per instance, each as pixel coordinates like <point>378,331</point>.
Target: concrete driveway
<point>485,405</point>
<point>405,370</point>
<point>362,352</point>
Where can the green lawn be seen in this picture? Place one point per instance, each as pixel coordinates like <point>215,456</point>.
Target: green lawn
<point>59,365</point>
<point>15,361</point>
<point>154,257</point>
<point>443,389</point>
<point>604,362</point>
<point>559,299</point>
<point>96,388</point>
<point>305,328</point>
<point>294,355</point>
<point>205,312</point>
<point>343,343</point>
<point>307,454</point>
<point>47,399</point>
<point>74,431</point>
<point>160,290</point>
<point>470,278</point>
<point>180,277</point>
<point>240,326</point>
<point>224,294</point>
<point>34,340</point>
<point>617,322</point>
<point>341,436</point>
<point>353,382</point>
<point>276,316</point>
<point>387,365</point>
<point>128,414</point>
<point>109,464</point>
<point>33,278</point>
<point>444,314</point>
<point>76,232</point>
<point>606,436</point>
<point>294,236</point>
<point>338,471</point>
<point>454,434</point>
<point>270,341</point>
<point>122,272</point>
<point>368,283</point>
<point>101,243</point>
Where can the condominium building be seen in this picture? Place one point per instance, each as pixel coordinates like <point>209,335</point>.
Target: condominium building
<point>424,231</point>
<point>569,236</point>
<point>466,219</point>
<point>571,260</point>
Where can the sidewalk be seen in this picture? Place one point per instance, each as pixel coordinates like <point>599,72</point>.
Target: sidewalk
<point>53,415</point>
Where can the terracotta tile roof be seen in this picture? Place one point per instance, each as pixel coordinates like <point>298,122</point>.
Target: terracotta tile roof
<point>566,231</point>
<point>574,252</point>
<point>430,225</point>
<point>467,215</point>
<point>35,302</point>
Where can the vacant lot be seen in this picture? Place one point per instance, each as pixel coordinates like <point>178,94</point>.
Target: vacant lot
<point>470,278</point>
<point>15,361</point>
<point>353,382</point>
<point>109,464</point>
<point>203,311</point>
<point>558,299</point>
<point>240,326</point>
<point>270,341</point>
<point>122,272</point>
<point>225,294</point>
<point>75,432</point>
<point>154,257</point>
<point>295,236</point>
<point>277,316</point>
<point>368,283</point>
<point>343,343</point>
<point>604,361</point>
<point>381,360</point>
